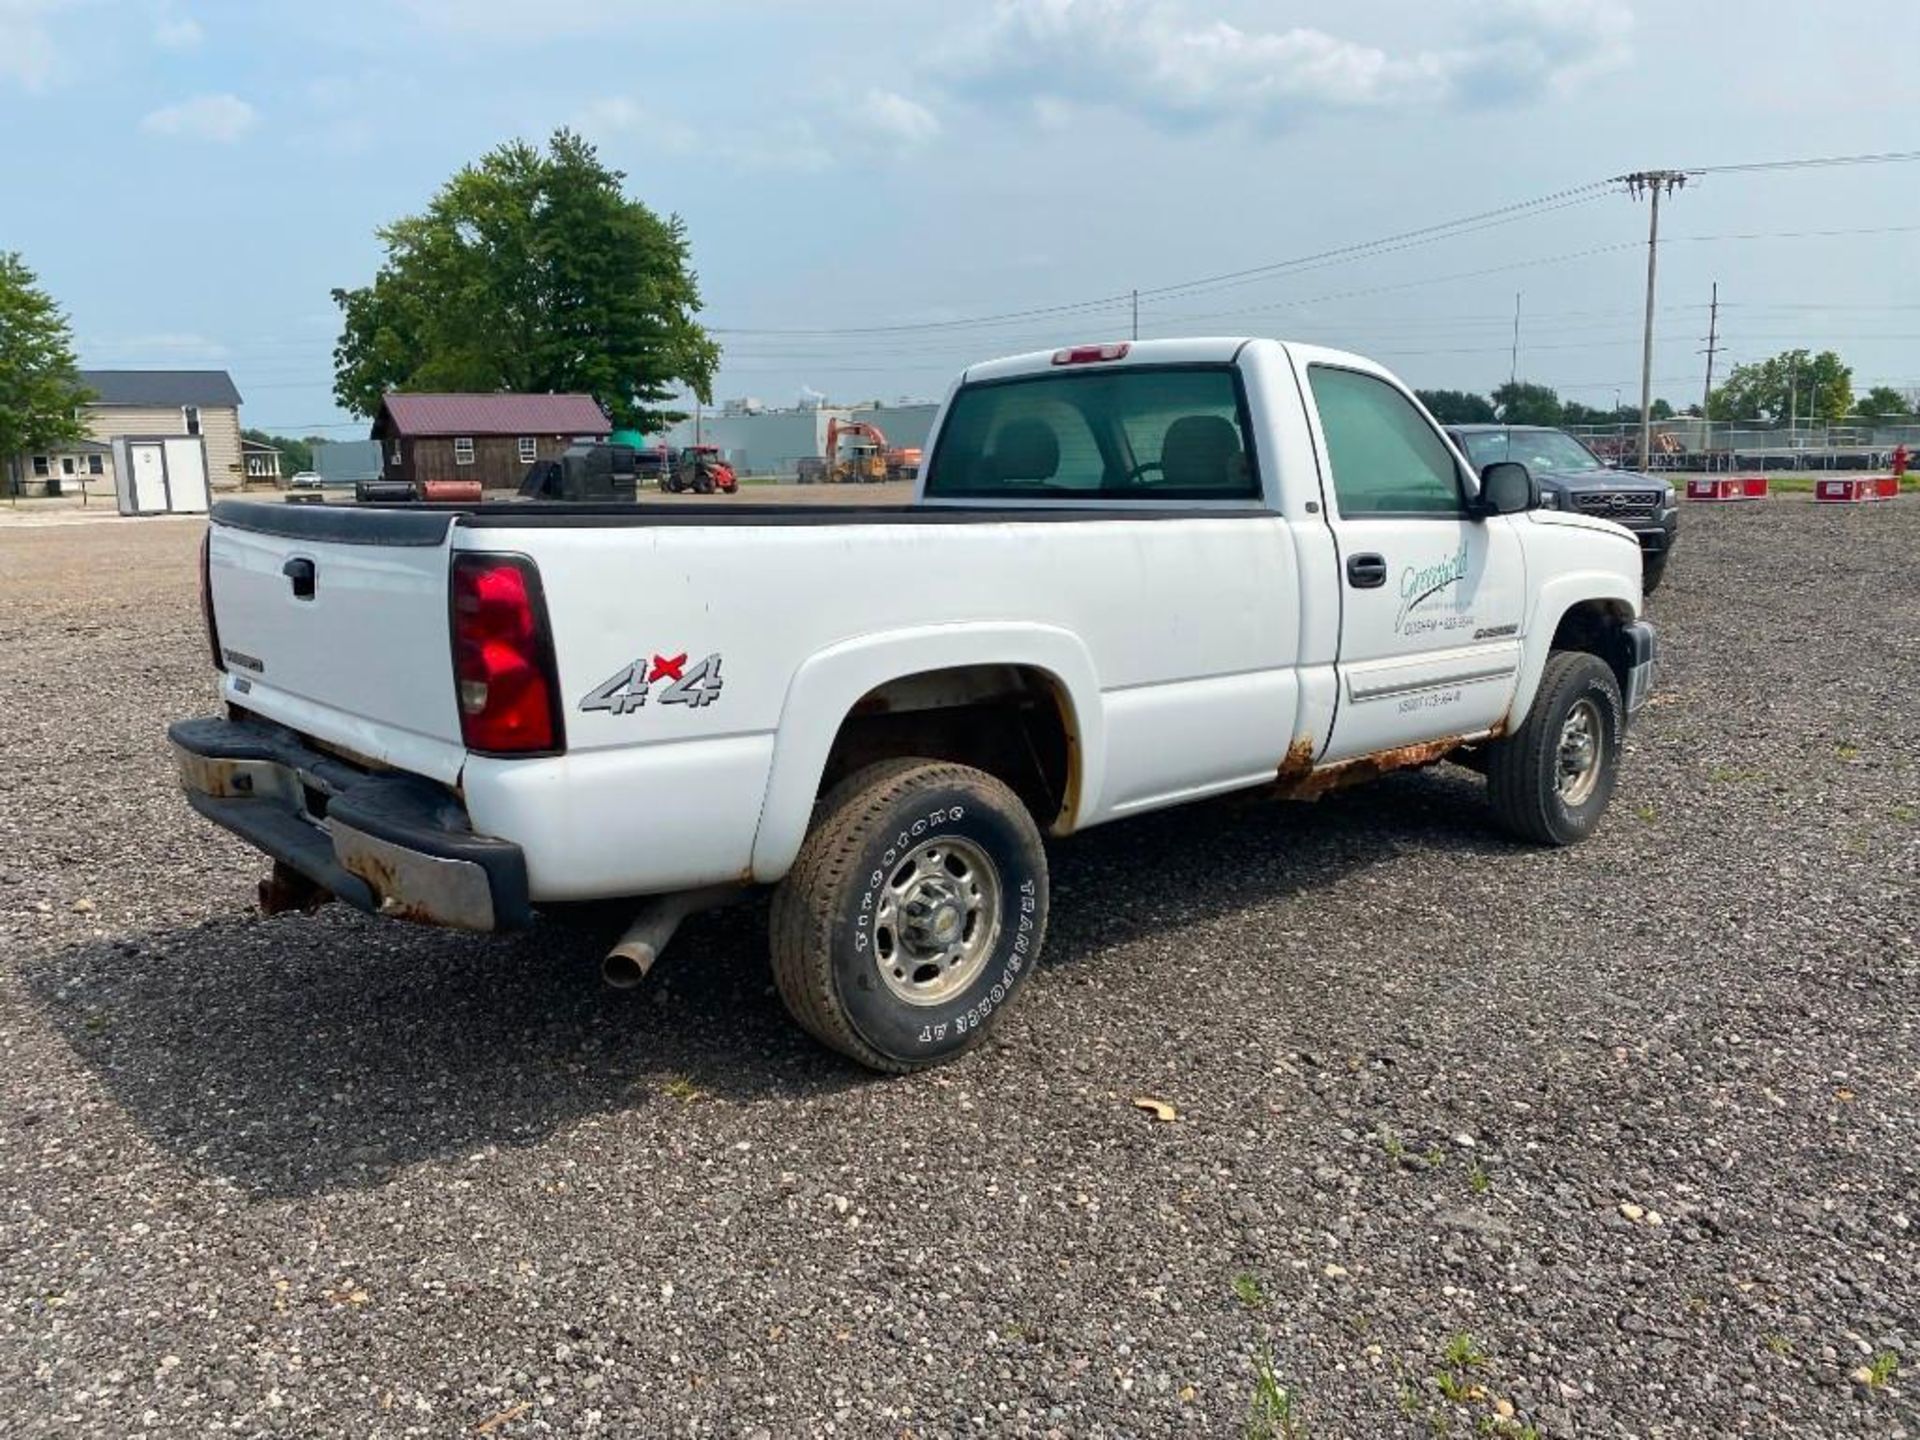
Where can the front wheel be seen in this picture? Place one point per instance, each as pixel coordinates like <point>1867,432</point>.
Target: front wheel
<point>915,912</point>
<point>1551,779</point>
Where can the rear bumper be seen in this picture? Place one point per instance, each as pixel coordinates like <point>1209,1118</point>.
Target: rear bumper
<point>388,844</point>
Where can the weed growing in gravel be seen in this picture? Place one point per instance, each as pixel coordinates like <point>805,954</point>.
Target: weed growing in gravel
<point>1456,1387</point>
<point>1479,1181</point>
<point>1847,751</point>
<point>1270,1414</point>
<point>1247,1291</point>
<point>1463,1354</point>
<point>1644,812</point>
<point>1882,1368</point>
<point>679,1087</point>
<point>1392,1144</point>
<point>1906,814</point>
<point>1730,775</point>
<point>1778,1344</point>
<point>1435,1156</point>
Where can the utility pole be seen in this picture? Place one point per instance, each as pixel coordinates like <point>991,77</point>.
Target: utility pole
<point>1513,361</point>
<point>1653,184</point>
<point>1136,314</point>
<point>1713,348</point>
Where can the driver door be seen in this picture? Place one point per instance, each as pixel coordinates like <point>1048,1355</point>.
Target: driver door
<point>1432,599</point>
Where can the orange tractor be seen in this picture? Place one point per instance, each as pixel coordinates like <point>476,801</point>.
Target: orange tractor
<point>869,459</point>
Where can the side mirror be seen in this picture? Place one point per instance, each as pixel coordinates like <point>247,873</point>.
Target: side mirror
<point>1507,488</point>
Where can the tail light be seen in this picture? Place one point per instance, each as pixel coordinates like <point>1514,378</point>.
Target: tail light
<point>503,657</point>
<point>206,598</point>
<point>1091,354</point>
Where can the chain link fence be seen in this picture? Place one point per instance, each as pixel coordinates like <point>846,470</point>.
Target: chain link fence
<point>1685,443</point>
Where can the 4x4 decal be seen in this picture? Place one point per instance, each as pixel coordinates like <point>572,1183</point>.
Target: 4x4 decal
<point>631,687</point>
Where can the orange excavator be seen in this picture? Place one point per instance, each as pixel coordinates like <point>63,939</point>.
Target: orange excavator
<point>869,459</point>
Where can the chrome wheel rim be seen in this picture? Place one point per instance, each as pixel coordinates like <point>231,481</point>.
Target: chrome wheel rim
<point>937,920</point>
<point>1578,759</point>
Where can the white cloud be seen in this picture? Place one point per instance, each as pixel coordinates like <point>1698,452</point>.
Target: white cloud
<point>617,116</point>
<point>1163,60</point>
<point>516,21</point>
<point>26,42</point>
<point>891,121</point>
<point>221,119</point>
<point>172,347</point>
<point>177,32</point>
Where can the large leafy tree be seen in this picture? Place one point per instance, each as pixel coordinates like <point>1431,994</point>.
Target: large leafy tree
<point>531,271</point>
<point>1792,383</point>
<point>40,389</point>
<point>1883,402</point>
<point>1457,407</point>
<point>1520,402</point>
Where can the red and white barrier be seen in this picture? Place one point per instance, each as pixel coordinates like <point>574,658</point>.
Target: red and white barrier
<point>1727,487</point>
<point>1852,489</point>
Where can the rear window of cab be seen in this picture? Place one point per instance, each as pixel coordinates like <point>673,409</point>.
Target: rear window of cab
<point>1140,433</point>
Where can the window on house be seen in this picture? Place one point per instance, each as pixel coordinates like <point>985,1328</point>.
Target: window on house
<point>529,451</point>
<point>94,467</point>
<point>393,456</point>
<point>190,414</point>
<point>66,465</point>
<point>41,466</point>
<point>463,450</point>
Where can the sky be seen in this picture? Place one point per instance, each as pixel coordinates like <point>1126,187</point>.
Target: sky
<point>879,192</point>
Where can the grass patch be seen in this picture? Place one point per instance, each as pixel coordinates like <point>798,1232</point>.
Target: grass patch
<point>1463,1353</point>
<point>1246,1289</point>
<point>1479,1181</point>
<point>1271,1414</point>
<point>1882,1368</point>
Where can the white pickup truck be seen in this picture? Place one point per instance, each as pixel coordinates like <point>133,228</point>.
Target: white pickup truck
<point>1130,576</point>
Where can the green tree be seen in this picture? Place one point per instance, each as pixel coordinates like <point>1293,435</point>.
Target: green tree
<point>531,272</point>
<point>1794,383</point>
<point>1520,402</point>
<point>1457,407</point>
<point>1883,402</point>
<point>40,389</point>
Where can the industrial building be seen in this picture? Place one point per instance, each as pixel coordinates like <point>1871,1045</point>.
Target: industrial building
<point>774,442</point>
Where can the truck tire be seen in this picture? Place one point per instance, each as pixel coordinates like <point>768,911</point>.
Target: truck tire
<point>1551,779</point>
<point>1653,569</point>
<point>915,912</point>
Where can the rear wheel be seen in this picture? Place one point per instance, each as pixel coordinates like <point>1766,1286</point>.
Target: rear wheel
<point>1550,780</point>
<point>914,913</point>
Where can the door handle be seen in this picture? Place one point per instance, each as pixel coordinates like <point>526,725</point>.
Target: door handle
<point>300,571</point>
<point>1366,572</point>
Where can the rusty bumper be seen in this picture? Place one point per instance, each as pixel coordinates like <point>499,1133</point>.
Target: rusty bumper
<point>385,843</point>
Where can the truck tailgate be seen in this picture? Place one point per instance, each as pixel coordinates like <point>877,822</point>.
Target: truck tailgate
<point>334,622</point>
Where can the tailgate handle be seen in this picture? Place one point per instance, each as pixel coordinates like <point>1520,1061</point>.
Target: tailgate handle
<point>301,572</point>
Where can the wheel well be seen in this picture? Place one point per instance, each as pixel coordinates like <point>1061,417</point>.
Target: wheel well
<point>1595,626</point>
<point>1012,721</point>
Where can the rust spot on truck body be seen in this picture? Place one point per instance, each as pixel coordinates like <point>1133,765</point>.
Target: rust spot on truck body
<point>1298,763</point>
<point>1312,784</point>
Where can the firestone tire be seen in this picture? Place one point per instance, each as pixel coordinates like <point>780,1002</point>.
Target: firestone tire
<point>915,912</point>
<point>1550,781</point>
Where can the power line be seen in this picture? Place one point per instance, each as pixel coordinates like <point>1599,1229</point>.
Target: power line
<point>1822,162</point>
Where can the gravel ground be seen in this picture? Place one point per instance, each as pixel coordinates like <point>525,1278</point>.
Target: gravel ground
<point>1623,1140</point>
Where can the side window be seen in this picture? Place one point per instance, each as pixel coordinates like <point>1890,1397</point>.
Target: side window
<point>463,450</point>
<point>190,418</point>
<point>1386,459</point>
<point>529,450</point>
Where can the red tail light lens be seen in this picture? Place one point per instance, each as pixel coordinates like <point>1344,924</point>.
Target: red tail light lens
<point>1091,354</point>
<point>503,657</point>
<point>206,599</point>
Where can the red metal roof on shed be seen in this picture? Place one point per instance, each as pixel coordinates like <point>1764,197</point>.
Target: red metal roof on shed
<point>495,415</point>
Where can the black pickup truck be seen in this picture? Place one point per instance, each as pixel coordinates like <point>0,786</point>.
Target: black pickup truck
<point>1572,477</point>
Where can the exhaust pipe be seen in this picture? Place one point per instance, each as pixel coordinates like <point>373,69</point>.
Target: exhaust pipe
<point>653,926</point>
